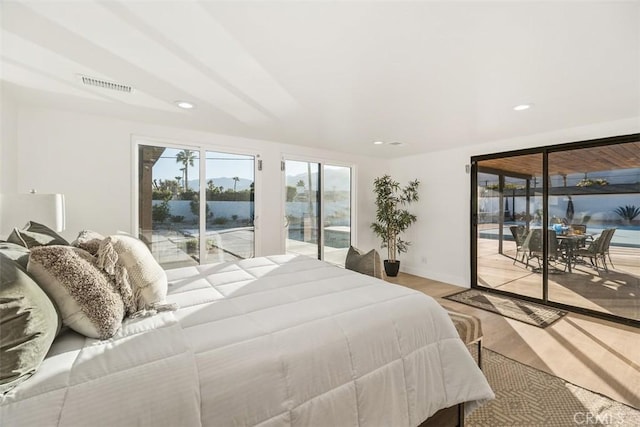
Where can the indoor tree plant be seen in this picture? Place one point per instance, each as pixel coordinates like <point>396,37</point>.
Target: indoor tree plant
<point>392,218</point>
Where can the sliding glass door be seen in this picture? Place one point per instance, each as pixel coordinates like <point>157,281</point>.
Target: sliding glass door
<point>302,208</point>
<point>509,205</point>
<point>561,225</point>
<point>230,207</point>
<point>336,203</point>
<point>192,212</point>
<point>317,210</point>
<point>595,206</point>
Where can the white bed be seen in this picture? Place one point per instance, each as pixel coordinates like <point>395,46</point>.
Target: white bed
<point>272,341</point>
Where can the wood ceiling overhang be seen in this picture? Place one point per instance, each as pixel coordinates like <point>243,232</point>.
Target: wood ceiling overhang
<point>581,160</point>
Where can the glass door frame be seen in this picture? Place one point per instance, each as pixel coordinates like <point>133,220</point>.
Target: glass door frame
<point>473,221</point>
<point>352,202</point>
<point>202,149</point>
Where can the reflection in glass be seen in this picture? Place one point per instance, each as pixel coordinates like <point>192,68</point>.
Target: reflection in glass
<point>302,180</point>
<point>337,213</point>
<point>509,209</point>
<point>168,208</point>
<point>594,206</point>
<point>302,210</point>
<point>230,207</point>
<point>589,245</point>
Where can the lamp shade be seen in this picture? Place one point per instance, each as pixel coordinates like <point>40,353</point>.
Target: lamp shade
<point>17,209</point>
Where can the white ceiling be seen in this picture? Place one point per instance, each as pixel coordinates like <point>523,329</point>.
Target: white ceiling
<point>337,75</point>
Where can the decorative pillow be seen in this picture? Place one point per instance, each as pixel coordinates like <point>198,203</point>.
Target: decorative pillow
<point>34,234</point>
<point>89,241</point>
<point>29,322</point>
<point>86,297</point>
<point>17,253</point>
<point>368,263</point>
<point>133,266</point>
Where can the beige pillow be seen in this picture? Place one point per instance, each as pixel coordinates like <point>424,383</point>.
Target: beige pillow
<point>86,297</point>
<point>368,263</point>
<point>89,241</point>
<point>133,266</point>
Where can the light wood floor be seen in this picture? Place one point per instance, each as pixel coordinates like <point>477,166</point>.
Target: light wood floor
<point>595,354</point>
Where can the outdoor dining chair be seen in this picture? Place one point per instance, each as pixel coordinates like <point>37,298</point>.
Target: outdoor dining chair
<point>532,248</point>
<point>519,233</point>
<point>599,249</point>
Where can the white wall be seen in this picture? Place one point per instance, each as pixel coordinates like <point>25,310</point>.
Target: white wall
<point>8,143</point>
<point>89,159</point>
<point>441,235</point>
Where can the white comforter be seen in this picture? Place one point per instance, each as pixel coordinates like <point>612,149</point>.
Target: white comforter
<point>274,341</point>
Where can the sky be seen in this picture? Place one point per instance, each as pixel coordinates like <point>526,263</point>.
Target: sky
<point>219,165</point>
<point>224,165</point>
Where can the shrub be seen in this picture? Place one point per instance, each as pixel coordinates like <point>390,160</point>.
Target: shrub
<point>161,195</point>
<point>192,245</point>
<point>221,220</point>
<point>588,182</point>
<point>177,218</point>
<point>188,195</point>
<point>160,212</point>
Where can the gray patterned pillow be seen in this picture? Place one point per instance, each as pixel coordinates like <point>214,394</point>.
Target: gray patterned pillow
<point>35,234</point>
<point>87,298</point>
<point>368,263</point>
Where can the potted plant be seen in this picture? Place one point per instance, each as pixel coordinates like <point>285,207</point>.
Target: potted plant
<point>392,218</point>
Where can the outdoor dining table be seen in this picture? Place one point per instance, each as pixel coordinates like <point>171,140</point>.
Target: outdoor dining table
<point>570,242</point>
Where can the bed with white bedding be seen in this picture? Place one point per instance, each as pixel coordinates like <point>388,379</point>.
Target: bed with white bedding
<point>271,341</point>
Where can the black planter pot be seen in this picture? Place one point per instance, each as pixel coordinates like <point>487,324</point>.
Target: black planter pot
<point>391,268</point>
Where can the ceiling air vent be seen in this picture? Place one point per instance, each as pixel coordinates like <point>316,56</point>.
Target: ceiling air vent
<point>91,81</point>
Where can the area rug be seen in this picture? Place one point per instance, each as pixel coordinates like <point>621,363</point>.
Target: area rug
<point>513,308</point>
<point>526,396</point>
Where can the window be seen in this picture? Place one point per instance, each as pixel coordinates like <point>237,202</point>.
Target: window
<point>561,225</point>
<point>318,210</point>
<point>187,220</point>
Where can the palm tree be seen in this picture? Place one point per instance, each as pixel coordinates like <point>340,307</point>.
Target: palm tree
<point>186,157</point>
<point>235,181</point>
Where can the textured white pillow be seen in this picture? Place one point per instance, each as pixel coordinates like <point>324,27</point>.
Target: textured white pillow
<point>89,241</point>
<point>132,264</point>
<point>86,297</point>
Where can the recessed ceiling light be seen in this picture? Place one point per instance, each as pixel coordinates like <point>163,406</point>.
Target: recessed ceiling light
<point>378,142</point>
<point>184,104</point>
<point>522,107</point>
<point>396,144</point>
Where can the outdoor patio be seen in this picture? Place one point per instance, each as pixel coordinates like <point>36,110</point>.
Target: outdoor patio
<point>616,292</point>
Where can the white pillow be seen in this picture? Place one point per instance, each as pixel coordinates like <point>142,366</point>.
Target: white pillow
<point>89,241</point>
<point>132,264</point>
<point>86,297</point>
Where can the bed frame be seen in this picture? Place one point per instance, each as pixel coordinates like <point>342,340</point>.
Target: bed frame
<point>447,417</point>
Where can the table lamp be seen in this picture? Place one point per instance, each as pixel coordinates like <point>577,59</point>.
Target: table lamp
<point>17,209</point>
